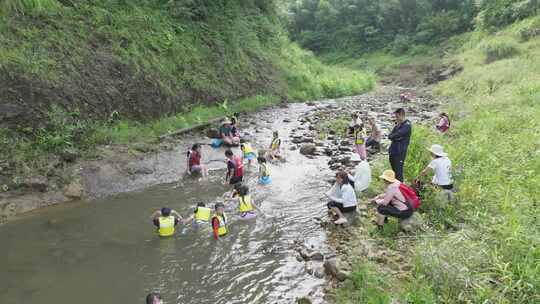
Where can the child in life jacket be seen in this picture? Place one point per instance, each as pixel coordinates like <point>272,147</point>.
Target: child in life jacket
<point>360,141</point>
<point>264,171</point>
<point>248,153</point>
<point>200,217</point>
<point>219,221</point>
<point>235,168</point>
<point>275,146</point>
<point>245,203</point>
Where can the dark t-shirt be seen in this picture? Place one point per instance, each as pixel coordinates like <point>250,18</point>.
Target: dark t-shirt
<point>224,131</point>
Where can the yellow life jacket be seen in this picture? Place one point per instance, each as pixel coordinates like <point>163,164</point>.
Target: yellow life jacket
<point>203,214</point>
<point>247,149</point>
<point>265,171</point>
<point>245,204</point>
<point>359,137</point>
<point>275,144</point>
<point>166,225</point>
<point>222,220</point>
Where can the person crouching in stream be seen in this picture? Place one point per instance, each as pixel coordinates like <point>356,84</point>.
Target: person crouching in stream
<point>342,197</point>
<point>264,171</point>
<point>246,206</point>
<point>219,221</point>
<point>166,220</point>
<point>194,161</point>
<point>391,202</point>
<point>235,168</point>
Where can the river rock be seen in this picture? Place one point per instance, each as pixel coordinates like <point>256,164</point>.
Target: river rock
<point>303,300</point>
<point>330,267</point>
<point>342,275</point>
<point>308,149</point>
<point>316,256</point>
<point>36,182</point>
<point>143,170</point>
<point>212,133</point>
<point>74,190</point>
<point>412,224</point>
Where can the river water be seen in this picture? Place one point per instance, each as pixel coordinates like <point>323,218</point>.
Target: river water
<point>107,251</point>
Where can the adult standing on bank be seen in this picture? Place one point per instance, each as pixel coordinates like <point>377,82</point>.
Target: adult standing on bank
<point>400,137</point>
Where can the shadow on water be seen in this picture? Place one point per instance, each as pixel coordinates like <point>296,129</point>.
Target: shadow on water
<point>107,251</point>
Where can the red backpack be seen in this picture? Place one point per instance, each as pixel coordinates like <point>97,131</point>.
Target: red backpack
<point>410,196</point>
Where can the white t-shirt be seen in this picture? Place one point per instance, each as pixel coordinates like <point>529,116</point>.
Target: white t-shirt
<point>442,167</point>
<point>344,194</point>
<point>362,176</point>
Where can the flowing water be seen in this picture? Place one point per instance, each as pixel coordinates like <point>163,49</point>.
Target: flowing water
<point>107,251</point>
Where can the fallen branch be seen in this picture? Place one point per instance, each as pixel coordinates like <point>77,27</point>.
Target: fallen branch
<point>192,128</point>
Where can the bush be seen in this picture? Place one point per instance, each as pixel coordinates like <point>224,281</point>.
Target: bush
<point>530,30</point>
<point>498,13</point>
<point>28,7</point>
<point>401,45</point>
<point>498,49</point>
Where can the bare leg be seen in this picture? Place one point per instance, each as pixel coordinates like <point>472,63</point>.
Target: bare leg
<point>337,212</point>
<point>228,140</point>
<point>380,219</point>
<point>235,140</point>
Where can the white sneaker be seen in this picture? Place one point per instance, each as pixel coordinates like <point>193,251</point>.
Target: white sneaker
<point>340,221</point>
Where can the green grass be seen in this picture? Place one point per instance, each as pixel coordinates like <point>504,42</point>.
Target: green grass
<point>135,70</point>
<point>486,248</point>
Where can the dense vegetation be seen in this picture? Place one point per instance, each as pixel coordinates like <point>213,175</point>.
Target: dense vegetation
<point>75,74</point>
<point>396,25</point>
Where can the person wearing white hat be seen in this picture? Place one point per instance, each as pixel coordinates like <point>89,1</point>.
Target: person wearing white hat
<point>226,134</point>
<point>441,166</point>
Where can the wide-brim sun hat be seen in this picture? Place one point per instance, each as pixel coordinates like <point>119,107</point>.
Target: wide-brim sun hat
<point>437,150</point>
<point>226,122</point>
<point>388,175</point>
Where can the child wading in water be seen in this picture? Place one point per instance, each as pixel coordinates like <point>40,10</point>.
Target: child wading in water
<point>194,161</point>
<point>245,204</point>
<point>275,146</point>
<point>219,221</point>
<point>248,153</point>
<point>360,141</point>
<point>264,171</point>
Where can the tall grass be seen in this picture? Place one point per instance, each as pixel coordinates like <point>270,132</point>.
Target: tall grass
<point>486,247</point>
<point>27,7</point>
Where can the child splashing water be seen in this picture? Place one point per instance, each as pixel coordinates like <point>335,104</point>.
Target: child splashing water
<point>245,204</point>
<point>264,171</point>
<point>248,153</point>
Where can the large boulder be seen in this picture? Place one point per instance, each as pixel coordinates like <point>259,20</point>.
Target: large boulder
<point>413,223</point>
<point>308,149</point>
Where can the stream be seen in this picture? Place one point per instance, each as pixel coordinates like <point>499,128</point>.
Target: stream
<point>108,251</point>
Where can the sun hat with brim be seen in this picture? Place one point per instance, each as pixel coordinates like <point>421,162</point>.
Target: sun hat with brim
<point>388,175</point>
<point>226,122</point>
<point>437,150</point>
<point>356,158</point>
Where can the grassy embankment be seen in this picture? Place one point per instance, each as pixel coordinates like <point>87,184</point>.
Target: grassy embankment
<point>116,72</point>
<point>486,247</point>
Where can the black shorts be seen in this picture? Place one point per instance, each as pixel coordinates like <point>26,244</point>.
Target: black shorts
<point>235,180</point>
<point>390,210</point>
<point>340,207</point>
<point>446,187</point>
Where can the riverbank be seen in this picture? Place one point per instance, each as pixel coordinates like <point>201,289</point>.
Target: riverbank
<point>480,248</point>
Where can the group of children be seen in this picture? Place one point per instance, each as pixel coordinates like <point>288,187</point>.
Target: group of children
<point>167,219</point>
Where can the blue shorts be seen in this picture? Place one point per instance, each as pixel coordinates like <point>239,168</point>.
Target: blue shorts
<point>250,156</point>
<point>265,180</point>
